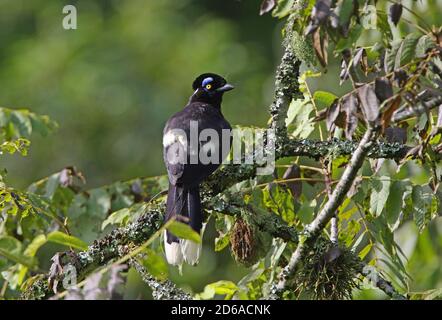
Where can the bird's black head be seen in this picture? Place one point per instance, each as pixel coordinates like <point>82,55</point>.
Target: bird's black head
<point>209,88</point>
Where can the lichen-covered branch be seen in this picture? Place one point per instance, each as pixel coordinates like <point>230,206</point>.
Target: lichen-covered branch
<point>100,252</point>
<point>108,248</point>
<point>370,273</point>
<point>328,211</point>
<point>269,223</point>
<point>161,290</point>
<point>234,173</point>
<point>287,88</point>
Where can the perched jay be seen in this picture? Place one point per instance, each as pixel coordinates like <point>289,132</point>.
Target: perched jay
<point>190,157</point>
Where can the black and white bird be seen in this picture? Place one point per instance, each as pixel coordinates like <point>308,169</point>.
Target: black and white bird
<point>185,156</point>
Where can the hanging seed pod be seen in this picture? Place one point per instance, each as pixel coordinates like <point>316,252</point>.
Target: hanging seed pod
<point>243,243</point>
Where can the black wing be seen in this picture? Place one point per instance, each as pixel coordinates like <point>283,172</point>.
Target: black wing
<point>176,142</point>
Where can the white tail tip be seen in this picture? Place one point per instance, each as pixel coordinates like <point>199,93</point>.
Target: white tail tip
<point>174,255</point>
<point>191,251</point>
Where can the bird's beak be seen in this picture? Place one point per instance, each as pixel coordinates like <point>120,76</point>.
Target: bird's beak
<point>226,87</point>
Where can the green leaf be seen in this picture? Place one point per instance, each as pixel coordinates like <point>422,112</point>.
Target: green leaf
<point>155,264</point>
<point>222,287</point>
<point>407,49</point>
<point>10,244</point>
<point>379,195</point>
<point>10,248</point>
<point>390,56</point>
<point>307,210</point>
<point>221,242</point>
<point>383,26</point>
<point>42,124</point>
<point>36,243</point>
<point>363,253</point>
<point>369,17</point>
<point>425,43</point>
<point>422,199</point>
<point>350,41</point>
<point>344,10</point>
<point>298,119</point>
<point>21,121</point>
<point>67,240</point>
<point>223,225</point>
<point>283,8</point>
<point>324,99</point>
<point>119,217</point>
<point>432,294</point>
<point>393,207</point>
<point>184,231</point>
<point>52,185</point>
<point>99,203</point>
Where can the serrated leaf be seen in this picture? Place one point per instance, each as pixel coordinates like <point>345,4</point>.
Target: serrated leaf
<point>99,203</point>
<point>22,123</point>
<point>66,240</point>
<point>421,202</point>
<point>184,231</point>
<point>332,115</point>
<point>390,56</point>
<point>52,184</point>
<point>423,45</point>
<point>406,51</point>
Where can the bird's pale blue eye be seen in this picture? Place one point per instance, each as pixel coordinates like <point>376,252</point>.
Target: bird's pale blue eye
<point>207,81</point>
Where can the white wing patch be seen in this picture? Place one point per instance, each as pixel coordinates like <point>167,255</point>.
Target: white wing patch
<point>174,136</point>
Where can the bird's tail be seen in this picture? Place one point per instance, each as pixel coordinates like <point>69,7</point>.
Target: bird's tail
<point>185,205</point>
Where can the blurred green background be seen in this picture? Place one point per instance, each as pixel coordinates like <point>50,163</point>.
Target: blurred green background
<point>112,84</point>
